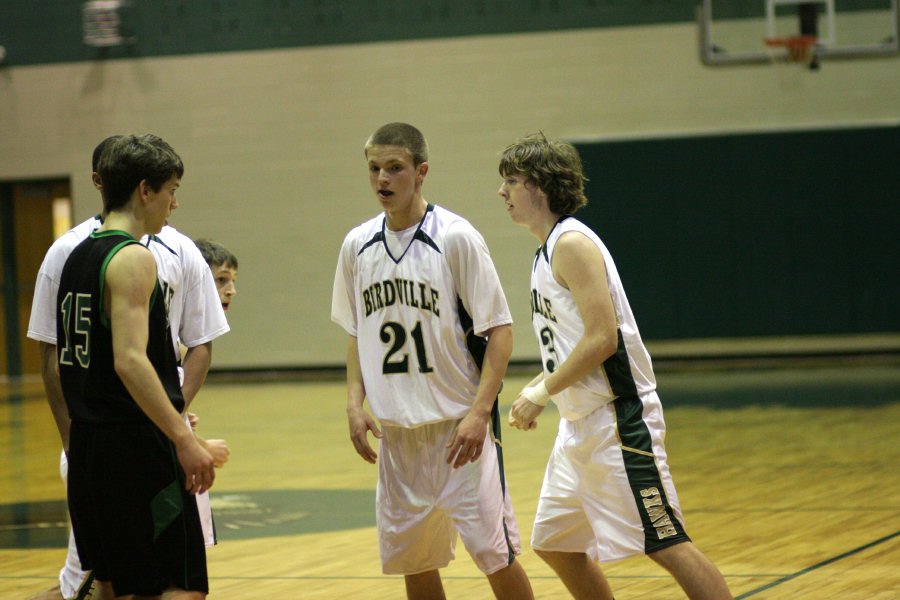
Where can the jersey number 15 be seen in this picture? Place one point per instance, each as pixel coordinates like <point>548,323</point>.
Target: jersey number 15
<point>80,347</point>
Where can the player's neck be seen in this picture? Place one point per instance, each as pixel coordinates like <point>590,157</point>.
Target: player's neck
<point>542,225</point>
<point>399,220</point>
<point>123,221</point>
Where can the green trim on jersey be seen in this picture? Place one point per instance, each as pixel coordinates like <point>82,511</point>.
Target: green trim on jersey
<point>104,318</point>
<point>618,370</point>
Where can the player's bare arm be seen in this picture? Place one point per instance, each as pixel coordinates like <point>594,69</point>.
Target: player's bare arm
<point>360,421</point>
<point>468,440</point>
<point>196,365</point>
<point>578,265</point>
<point>53,389</point>
<point>130,280</point>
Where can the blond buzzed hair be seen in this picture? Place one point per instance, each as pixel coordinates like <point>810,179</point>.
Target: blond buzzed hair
<point>403,135</point>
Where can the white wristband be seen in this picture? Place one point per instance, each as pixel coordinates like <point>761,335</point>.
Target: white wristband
<point>537,394</point>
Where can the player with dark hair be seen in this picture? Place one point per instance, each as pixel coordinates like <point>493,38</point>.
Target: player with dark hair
<point>195,320</point>
<point>224,267</point>
<point>136,524</point>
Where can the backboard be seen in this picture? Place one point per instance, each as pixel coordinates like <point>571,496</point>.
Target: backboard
<point>737,31</point>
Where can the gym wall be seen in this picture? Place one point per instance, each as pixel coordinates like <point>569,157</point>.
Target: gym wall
<point>272,140</point>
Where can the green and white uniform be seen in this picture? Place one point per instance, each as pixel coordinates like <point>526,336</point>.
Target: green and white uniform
<point>413,299</point>
<point>607,490</point>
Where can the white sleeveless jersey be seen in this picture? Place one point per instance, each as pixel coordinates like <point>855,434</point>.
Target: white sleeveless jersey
<point>558,327</point>
<point>192,301</point>
<point>411,313</point>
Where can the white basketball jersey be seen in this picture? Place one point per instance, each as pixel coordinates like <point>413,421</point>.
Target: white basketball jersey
<point>410,311</point>
<point>42,323</point>
<point>192,301</point>
<point>558,327</point>
<point>195,310</point>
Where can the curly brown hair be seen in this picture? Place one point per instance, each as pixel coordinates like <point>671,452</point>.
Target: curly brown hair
<point>554,166</point>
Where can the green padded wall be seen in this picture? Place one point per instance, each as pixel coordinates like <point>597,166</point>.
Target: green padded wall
<point>44,31</point>
<point>49,31</point>
<point>790,233</point>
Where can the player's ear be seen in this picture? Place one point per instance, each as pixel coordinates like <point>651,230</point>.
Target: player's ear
<point>144,189</point>
<point>95,178</point>
<point>421,171</point>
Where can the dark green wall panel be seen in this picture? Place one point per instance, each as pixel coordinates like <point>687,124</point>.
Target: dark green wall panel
<point>50,31</point>
<point>46,31</point>
<point>792,233</point>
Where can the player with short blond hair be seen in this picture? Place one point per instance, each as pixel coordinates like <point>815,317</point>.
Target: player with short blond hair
<point>429,341</point>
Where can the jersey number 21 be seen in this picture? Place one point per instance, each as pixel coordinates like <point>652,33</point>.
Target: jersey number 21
<point>397,361</point>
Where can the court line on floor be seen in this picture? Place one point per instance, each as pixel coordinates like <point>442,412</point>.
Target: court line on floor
<point>12,396</point>
<point>381,577</point>
<point>818,565</point>
<point>445,577</point>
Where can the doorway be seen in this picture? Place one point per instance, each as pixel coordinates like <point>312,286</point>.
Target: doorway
<point>32,214</point>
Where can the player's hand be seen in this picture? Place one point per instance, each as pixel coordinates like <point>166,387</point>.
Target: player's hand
<point>523,414</point>
<point>198,465</point>
<point>468,439</point>
<point>361,423</point>
<point>193,420</point>
<point>218,449</point>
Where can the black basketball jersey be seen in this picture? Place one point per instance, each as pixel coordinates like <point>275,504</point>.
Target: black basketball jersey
<point>92,388</point>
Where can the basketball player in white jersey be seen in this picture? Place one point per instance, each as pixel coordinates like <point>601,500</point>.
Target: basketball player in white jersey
<point>607,491</point>
<point>195,319</point>
<point>430,339</point>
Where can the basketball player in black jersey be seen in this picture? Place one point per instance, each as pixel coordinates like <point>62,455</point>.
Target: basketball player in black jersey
<point>132,462</point>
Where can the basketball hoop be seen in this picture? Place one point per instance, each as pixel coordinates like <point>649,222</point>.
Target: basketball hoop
<point>798,49</point>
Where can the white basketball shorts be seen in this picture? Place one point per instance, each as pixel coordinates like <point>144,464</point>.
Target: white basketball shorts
<point>422,502</point>
<point>607,490</point>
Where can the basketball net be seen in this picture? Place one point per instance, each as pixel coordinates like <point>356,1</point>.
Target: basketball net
<point>796,49</point>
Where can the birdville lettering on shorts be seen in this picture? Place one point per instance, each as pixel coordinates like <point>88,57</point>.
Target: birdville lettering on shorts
<point>653,504</point>
<point>400,291</point>
<point>541,306</point>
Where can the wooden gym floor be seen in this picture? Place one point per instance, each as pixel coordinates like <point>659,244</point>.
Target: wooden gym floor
<point>789,479</point>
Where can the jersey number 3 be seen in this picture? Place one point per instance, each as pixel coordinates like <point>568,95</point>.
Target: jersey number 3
<point>80,347</point>
<point>549,343</point>
<point>397,361</point>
